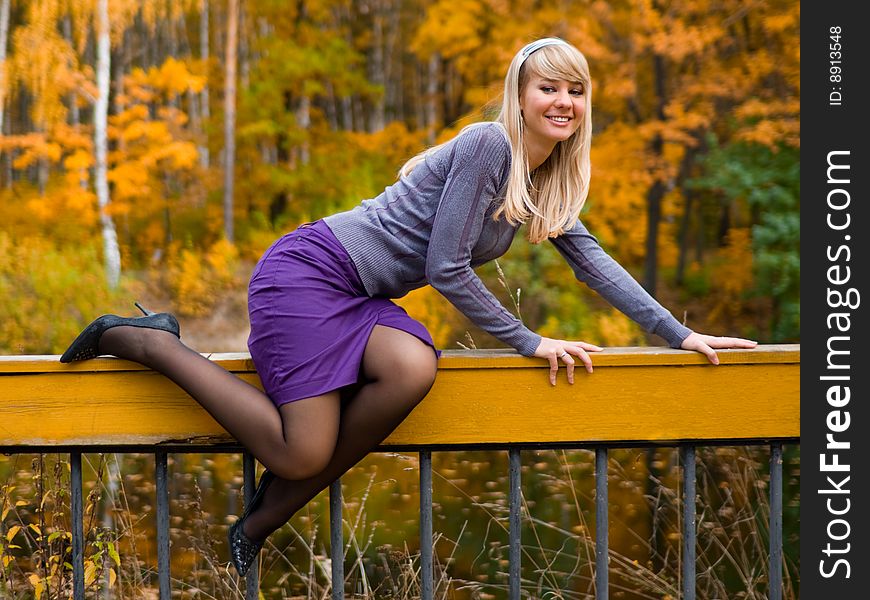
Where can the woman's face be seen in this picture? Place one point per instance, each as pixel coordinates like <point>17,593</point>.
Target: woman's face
<point>552,109</point>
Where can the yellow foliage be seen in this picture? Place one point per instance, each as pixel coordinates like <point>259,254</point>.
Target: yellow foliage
<point>195,278</point>
<point>130,181</point>
<point>38,585</point>
<point>187,283</point>
<point>222,259</point>
<point>395,142</point>
<point>432,310</point>
<point>615,329</point>
<point>171,78</point>
<point>450,27</point>
<point>78,160</point>
<point>732,273</point>
<point>180,155</point>
<point>42,61</point>
<point>49,292</point>
<point>65,210</point>
<point>33,147</point>
<point>616,212</point>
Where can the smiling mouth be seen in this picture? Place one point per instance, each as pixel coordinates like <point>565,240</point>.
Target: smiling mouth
<point>558,119</point>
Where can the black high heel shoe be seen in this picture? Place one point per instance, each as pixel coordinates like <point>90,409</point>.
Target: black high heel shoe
<point>244,550</point>
<point>86,345</point>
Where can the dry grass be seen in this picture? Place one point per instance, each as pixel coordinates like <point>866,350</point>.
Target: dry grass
<point>470,510</point>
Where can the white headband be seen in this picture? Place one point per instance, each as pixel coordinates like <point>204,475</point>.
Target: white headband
<point>530,49</point>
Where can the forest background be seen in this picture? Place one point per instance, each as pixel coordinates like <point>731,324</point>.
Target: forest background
<point>116,131</point>
<point>119,119</point>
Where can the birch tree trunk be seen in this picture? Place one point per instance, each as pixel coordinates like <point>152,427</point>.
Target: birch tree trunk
<point>230,115</point>
<point>393,63</point>
<point>4,34</point>
<point>205,113</point>
<point>111,254</point>
<point>376,67</point>
<point>432,96</point>
<point>303,119</point>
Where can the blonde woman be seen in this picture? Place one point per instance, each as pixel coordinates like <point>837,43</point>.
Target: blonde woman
<point>341,364</point>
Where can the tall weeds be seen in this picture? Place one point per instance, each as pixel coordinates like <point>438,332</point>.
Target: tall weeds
<point>381,554</point>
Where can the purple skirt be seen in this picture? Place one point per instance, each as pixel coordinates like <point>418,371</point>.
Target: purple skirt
<point>311,317</point>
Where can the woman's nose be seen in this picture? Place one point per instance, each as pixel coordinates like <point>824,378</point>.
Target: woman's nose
<point>562,99</point>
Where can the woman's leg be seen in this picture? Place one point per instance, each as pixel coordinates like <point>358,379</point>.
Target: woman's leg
<point>294,444</point>
<point>399,370</point>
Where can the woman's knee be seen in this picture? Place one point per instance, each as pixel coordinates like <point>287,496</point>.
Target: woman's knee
<point>310,432</point>
<point>303,461</point>
<point>412,368</point>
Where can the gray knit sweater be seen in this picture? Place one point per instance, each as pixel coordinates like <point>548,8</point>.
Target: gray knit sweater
<point>435,226</point>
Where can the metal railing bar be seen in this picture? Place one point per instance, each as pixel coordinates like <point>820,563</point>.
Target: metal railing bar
<point>426,573</point>
<point>78,546</point>
<point>249,475</point>
<point>775,564</point>
<point>689,525</point>
<point>336,540</point>
<point>514,533</point>
<point>161,472</point>
<point>687,457</point>
<point>602,525</point>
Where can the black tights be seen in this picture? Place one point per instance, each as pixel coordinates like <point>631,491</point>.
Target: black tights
<point>308,443</point>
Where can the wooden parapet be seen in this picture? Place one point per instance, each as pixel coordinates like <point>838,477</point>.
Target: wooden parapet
<point>484,397</point>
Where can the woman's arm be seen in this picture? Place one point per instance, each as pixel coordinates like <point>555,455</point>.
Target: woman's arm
<point>594,267</point>
<point>480,160</point>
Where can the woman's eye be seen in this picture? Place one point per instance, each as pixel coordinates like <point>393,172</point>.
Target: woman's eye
<point>548,88</point>
<point>577,92</point>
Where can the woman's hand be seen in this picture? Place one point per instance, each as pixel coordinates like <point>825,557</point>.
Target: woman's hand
<point>705,344</point>
<point>554,350</point>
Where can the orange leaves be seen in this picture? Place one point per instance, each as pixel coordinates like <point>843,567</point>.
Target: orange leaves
<point>617,197</point>
<point>615,329</point>
<point>732,274</point>
<point>78,160</point>
<point>395,140</point>
<point>451,28</point>
<point>150,146</point>
<point>679,40</point>
<point>42,306</point>
<point>434,311</point>
<point>172,77</point>
<point>196,278</point>
<point>771,122</point>
<point>33,147</point>
<point>130,181</point>
<point>145,131</point>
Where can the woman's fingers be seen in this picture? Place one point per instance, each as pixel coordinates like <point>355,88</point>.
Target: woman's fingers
<point>585,358</point>
<point>705,344</point>
<point>589,347</point>
<point>567,352</point>
<point>707,351</point>
<point>554,368</point>
<point>731,342</point>
<point>569,367</point>
<point>579,349</point>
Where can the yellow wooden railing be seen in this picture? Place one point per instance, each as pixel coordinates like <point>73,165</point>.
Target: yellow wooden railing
<point>654,395</point>
<point>486,398</point>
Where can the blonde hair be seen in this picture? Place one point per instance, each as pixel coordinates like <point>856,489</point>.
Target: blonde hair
<point>551,199</point>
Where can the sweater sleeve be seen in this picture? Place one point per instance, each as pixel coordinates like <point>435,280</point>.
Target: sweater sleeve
<point>480,157</point>
<point>594,267</point>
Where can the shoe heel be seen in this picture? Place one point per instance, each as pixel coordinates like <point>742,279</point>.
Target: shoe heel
<point>144,310</point>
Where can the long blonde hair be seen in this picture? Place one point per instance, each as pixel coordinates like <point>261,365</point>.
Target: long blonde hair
<point>550,199</point>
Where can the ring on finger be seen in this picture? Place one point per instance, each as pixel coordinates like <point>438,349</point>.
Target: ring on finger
<point>563,355</point>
